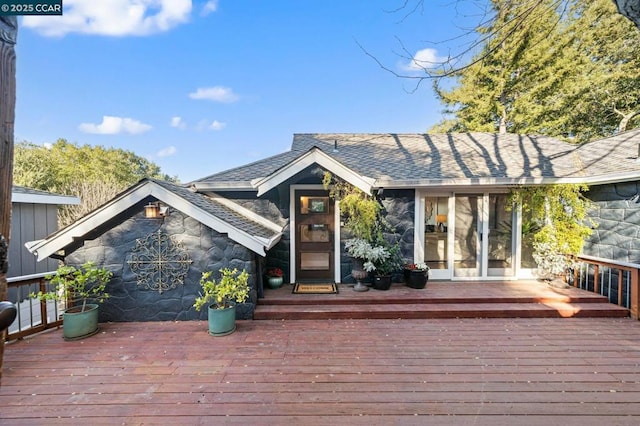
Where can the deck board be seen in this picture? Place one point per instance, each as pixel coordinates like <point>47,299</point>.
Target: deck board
<point>489,371</point>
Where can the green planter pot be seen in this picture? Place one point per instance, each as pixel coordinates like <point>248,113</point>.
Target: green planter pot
<point>274,282</point>
<point>78,325</point>
<point>222,321</point>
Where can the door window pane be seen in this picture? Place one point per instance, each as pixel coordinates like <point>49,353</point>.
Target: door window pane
<point>315,261</point>
<point>315,233</point>
<point>314,205</point>
<point>466,236</point>
<point>436,212</point>
<point>500,235</point>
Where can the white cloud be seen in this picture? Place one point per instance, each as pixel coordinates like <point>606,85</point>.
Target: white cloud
<point>112,17</point>
<point>217,125</point>
<point>215,93</point>
<point>424,59</point>
<point>167,152</point>
<point>210,7</point>
<point>115,125</point>
<point>178,122</point>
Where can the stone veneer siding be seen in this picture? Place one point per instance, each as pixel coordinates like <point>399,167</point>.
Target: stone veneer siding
<point>399,210</point>
<point>617,214</point>
<point>208,249</point>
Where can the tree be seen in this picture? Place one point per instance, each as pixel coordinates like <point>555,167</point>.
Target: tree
<point>8,36</point>
<point>95,174</point>
<point>458,60</point>
<point>606,83</point>
<point>498,92</point>
<point>572,74</point>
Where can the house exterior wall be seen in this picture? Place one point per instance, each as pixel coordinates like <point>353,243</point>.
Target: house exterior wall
<point>29,222</point>
<point>208,249</point>
<point>617,213</point>
<point>399,211</point>
<point>273,206</point>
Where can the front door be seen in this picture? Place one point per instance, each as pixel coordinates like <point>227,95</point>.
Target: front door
<point>314,236</point>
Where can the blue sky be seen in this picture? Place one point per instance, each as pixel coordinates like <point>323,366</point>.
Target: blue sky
<point>201,86</point>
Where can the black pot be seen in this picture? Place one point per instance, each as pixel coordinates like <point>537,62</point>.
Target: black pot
<point>381,282</point>
<point>415,279</point>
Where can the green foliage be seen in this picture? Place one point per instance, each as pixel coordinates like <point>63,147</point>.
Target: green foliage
<point>569,73</point>
<point>75,285</point>
<point>560,222</point>
<point>232,287</point>
<point>392,263</point>
<point>95,174</point>
<point>372,254</point>
<point>361,211</point>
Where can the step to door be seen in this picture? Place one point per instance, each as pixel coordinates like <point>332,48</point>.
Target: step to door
<point>439,310</point>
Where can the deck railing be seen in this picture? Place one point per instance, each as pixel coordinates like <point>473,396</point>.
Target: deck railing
<point>618,281</point>
<point>33,316</point>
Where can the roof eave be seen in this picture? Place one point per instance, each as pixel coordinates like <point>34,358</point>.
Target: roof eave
<point>483,181</point>
<point>55,199</point>
<point>313,156</point>
<point>63,238</point>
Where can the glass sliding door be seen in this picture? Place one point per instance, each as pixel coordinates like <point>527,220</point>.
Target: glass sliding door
<point>467,232</point>
<point>500,236</point>
<point>436,243</point>
<point>467,236</point>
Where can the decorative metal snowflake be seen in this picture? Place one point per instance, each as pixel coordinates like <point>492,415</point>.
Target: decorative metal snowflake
<point>159,262</point>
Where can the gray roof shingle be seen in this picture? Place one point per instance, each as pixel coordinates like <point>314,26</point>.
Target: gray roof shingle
<point>218,210</point>
<point>398,158</point>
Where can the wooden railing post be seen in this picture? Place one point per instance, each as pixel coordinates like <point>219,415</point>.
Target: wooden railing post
<point>43,303</point>
<point>634,307</point>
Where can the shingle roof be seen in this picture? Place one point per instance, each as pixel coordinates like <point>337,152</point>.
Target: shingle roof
<point>214,208</point>
<point>401,158</point>
<point>253,233</point>
<point>614,155</point>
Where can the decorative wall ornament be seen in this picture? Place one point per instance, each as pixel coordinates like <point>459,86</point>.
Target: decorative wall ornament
<point>159,262</point>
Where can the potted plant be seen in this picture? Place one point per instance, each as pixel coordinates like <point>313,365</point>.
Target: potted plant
<point>365,257</point>
<point>382,275</point>
<point>416,275</point>
<point>274,277</point>
<point>221,297</point>
<point>74,287</point>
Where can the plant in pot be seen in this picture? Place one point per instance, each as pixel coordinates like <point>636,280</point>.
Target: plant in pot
<point>560,215</point>
<point>274,277</point>
<point>221,297</point>
<point>74,287</point>
<point>382,275</point>
<point>416,275</point>
<point>365,258</point>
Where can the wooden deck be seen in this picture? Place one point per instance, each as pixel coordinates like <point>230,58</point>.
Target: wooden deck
<point>440,299</point>
<point>533,371</point>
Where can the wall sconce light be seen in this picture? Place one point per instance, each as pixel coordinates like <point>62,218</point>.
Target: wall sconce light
<point>155,210</point>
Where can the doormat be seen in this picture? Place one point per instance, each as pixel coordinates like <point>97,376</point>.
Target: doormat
<point>327,288</point>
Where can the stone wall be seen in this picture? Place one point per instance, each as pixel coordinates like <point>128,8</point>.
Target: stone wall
<point>208,249</point>
<point>399,211</point>
<point>617,213</point>
<point>273,206</point>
